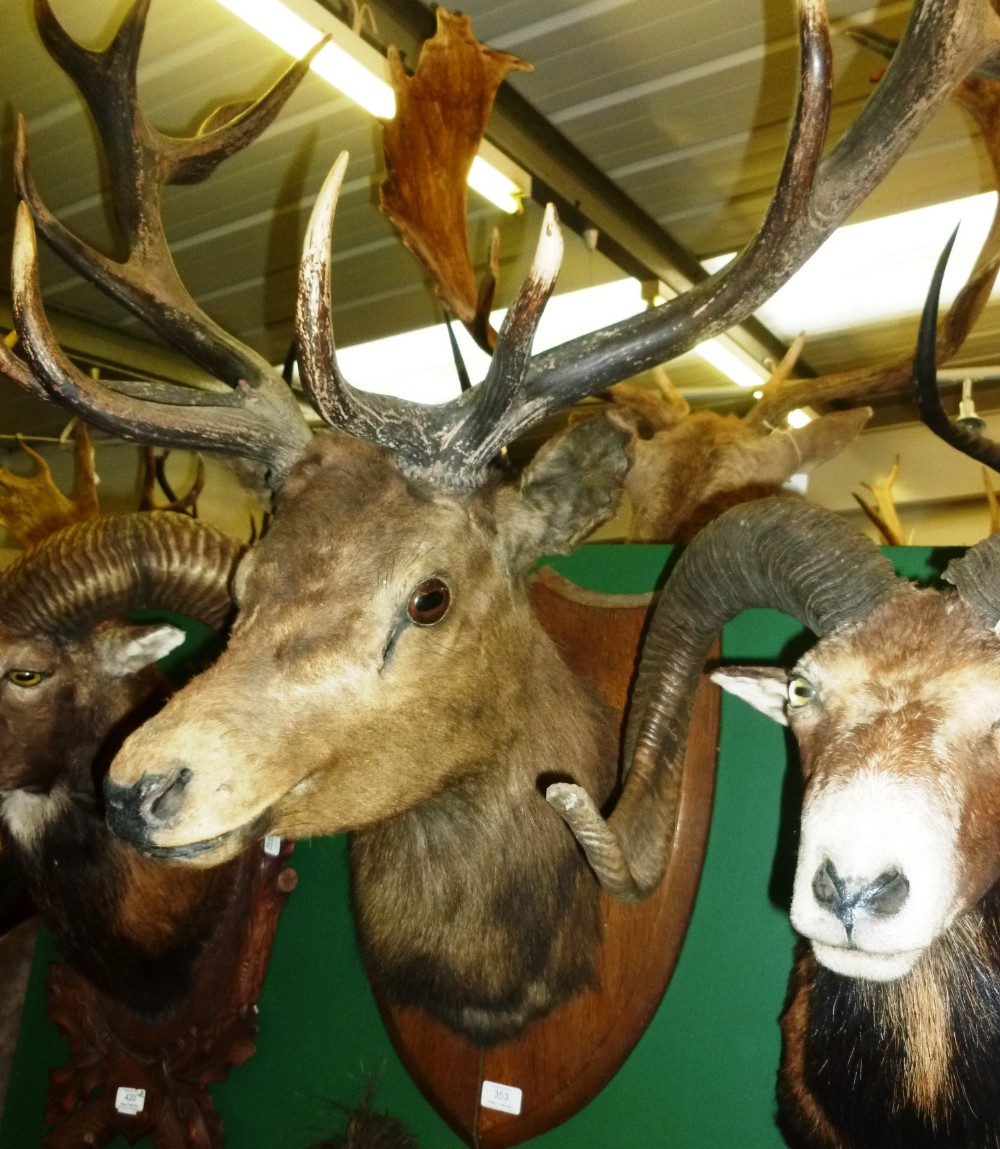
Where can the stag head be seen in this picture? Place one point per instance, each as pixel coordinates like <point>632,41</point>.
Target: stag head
<point>376,614</point>
<point>378,678</point>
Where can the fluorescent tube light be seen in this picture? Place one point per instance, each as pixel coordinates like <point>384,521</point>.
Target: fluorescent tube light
<point>714,351</point>
<point>355,68</point>
<point>869,272</point>
<point>499,189</point>
<point>431,378</point>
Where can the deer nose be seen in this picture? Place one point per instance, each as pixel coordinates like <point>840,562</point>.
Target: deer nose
<point>849,901</point>
<point>135,812</point>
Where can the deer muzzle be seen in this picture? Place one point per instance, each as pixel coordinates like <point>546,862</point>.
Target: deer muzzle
<point>138,811</point>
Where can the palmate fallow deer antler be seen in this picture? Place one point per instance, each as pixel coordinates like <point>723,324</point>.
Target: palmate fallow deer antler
<point>429,147</point>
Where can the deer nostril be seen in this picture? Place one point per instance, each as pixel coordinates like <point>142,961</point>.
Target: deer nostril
<point>164,795</point>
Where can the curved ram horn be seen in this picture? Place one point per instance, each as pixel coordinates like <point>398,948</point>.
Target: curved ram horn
<point>115,563</point>
<point>779,553</point>
<point>976,577</point>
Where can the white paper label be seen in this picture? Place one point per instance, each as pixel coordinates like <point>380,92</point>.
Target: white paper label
<point>506,1098</point>
<point>130,1101</point>
<point>272,845</point>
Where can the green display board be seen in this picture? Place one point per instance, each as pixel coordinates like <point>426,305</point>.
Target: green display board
<point>702,1075</point>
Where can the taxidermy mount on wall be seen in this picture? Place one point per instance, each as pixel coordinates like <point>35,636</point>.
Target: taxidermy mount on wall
<point>398,560</point>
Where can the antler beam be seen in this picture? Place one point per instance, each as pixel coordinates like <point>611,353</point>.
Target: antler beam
<point>943,42</point>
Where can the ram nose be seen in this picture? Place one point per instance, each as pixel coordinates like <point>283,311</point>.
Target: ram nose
<point>137,811</point>
<point>851,901</point>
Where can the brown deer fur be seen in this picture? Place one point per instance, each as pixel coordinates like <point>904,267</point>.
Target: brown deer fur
<point>421,739</point>
<point>689,468</point>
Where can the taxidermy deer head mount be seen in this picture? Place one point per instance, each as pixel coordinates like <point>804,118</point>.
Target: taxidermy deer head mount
<point>386,674</point>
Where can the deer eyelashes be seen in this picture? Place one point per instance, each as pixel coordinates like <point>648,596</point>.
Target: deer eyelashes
<point>427,605</point>
<point>428,602</point>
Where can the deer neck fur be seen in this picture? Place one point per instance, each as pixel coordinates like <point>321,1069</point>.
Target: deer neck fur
<point>501,918</point>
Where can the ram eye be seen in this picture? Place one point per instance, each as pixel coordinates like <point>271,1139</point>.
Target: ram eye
<point>428,602</point>
<point>26,677</point>
<point>800,692</point>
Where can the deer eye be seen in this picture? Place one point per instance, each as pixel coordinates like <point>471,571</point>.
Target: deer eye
<point>800,692</point>
<point>26,677</point>
<point>428,602</point>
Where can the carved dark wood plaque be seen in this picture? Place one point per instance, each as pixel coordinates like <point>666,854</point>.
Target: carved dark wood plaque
<point>174,1060</point>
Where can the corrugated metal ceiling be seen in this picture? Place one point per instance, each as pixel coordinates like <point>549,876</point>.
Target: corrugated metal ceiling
<point>683,105</point>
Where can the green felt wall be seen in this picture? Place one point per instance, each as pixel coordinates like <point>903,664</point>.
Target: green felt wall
<point>702,1075</point>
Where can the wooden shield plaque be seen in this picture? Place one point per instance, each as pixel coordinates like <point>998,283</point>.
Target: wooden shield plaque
<point>559,1063</point>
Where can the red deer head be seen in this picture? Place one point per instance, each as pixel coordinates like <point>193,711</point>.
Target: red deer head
<point>386,675</point>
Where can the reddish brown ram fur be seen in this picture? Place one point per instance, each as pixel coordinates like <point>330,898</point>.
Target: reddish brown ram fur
<point>892,1032</point>
<point>384,622</point>
<point>907,705</point>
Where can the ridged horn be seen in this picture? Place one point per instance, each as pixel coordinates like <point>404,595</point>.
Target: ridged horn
<point>976,577</point>
<point>779,553</point>
<point>115,563</point>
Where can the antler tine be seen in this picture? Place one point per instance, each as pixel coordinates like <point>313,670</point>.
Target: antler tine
<point>454,442</point>
<point>944,40</point>
<point>379,418</point>
<point>981,98</point>
<point>149,158</point>
<point>142,161</point>
<point>18,372</point>
<point>237,424</point>
<point>497,410</point>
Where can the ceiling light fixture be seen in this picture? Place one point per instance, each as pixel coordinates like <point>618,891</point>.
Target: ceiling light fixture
<point>361,73</point>
<point>878,270</point>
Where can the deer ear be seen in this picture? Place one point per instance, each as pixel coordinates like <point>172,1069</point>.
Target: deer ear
<point>571,486</point>
<point>123,650</point>
<point>764,687</point>
<point>828,435</point>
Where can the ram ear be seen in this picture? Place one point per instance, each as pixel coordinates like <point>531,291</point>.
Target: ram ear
<point>123,650</point>
<point>764,687</point>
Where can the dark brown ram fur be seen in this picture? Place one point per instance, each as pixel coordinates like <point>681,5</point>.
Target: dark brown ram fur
<point>71,687</point>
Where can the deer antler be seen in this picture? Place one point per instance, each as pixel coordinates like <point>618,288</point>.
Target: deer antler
<point>944,40</point>
<point>254,415</point>
<point>982,100</point>
<point>454,444</point>
<point>883,514</point>
<point>153,473</point>
<point>32,507</point>
<point>429,147</point>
